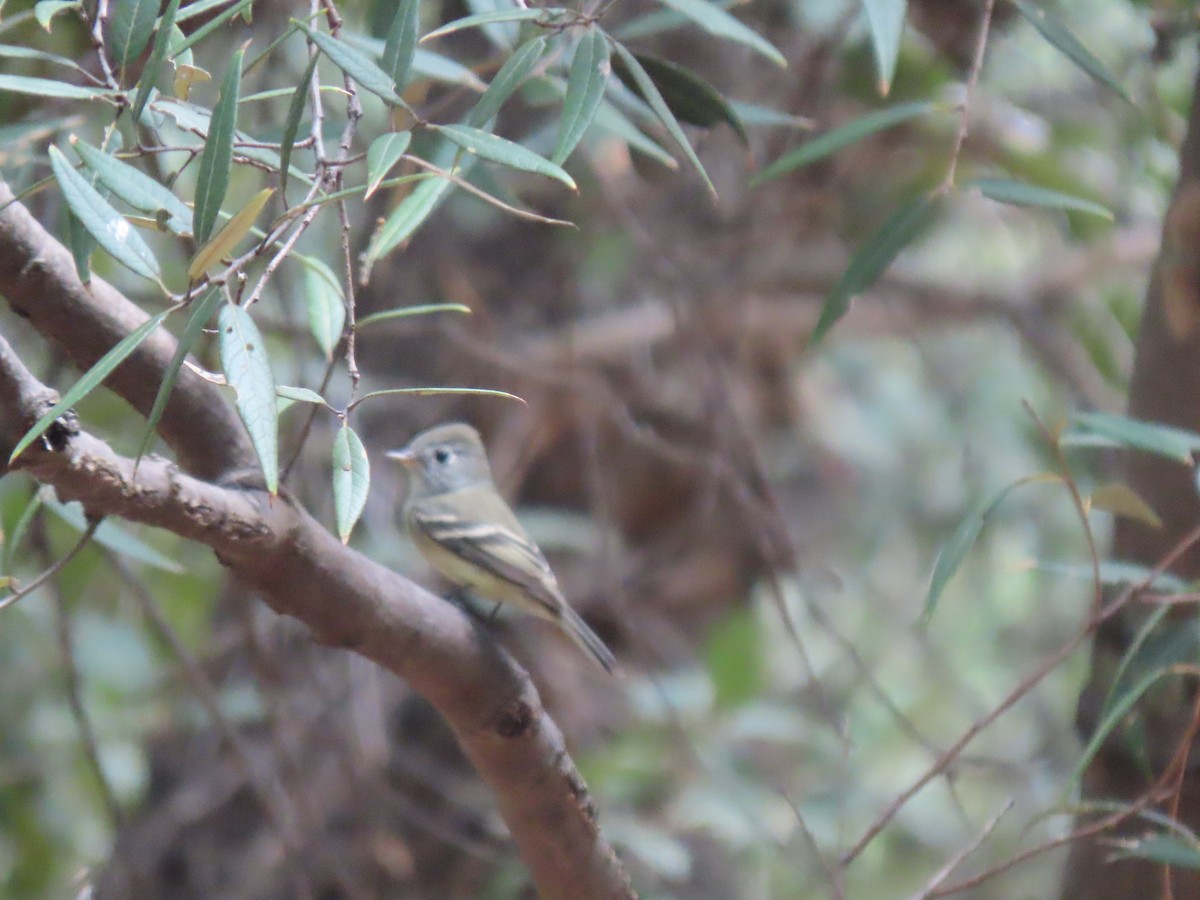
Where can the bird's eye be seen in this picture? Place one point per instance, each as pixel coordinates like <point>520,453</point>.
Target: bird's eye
<point>442,455</point>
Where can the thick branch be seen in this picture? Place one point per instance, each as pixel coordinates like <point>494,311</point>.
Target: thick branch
<point>302,571</point>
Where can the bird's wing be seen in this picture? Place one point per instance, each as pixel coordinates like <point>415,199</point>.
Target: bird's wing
<point>491,539</point>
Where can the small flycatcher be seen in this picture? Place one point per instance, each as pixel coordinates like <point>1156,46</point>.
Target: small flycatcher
<point>466,531</point>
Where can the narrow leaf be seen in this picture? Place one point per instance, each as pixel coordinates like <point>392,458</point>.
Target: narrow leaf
<point>95,375</point>
<point>223,242</point>
<point>753,114</point>
<point>503,151</point>
<point>873,258</point>
<point>291,123</point>
<point>102,222</point>
<point>216,160</point>
<point>1163,440</point>
<point>201,314</point>
<point>357,65</point>
<point>208,27</point>
<point>401,45</point>
<point>12,51</point>
<point>45,10</point>
<point>885,18</point>
<point>248,370</point>
<point>650,93</point>
<point>717,22</point>
<point>692,99</point>
<point>82,244</point>
<point>130,24</point>
<point>443,68</point>
<point>49,87</point>
<point>385,151</point>
<point>437,391</point>
<point>135,187</point>
<point>1065,41</point>
<point>1004,190</point>
<point>15,535</point>
<point>510,77</point>
<point>589,73</point>
<point>1175,850</point>
<point>832,141</point>
<point>162,40</point>
<point>407,217</point>
<point>299,394</point>
<point>518,14</point>
<point>613,121</point>
<point>326,305</point>
<point>1122,500</point>
<point>112,537</point>
<point>351,480</point>
<point>407,311</point>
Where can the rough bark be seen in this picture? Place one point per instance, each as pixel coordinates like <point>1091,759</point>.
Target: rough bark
<point>296,566</point>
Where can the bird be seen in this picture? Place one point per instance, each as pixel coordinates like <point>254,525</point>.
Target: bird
<point>468,533</point>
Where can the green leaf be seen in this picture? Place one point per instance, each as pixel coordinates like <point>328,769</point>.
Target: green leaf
<point>955,549</point>
<point>222,243</point>
<point>201,315</point>
<point>873,258</point>
<point>1065,41</point>
<point>690,97</point>
<point>499,150</point>
<point>299,394</point>
<point>753,114</point>
<point>589,73</point>
<point>407,217</point>
<point>519,14</point>
<point>10,51</point>
<point>442,68</point>
<point>112,537</point>
<point>130,24</point>
<point>102,222</point>
<point>45,10</point>
<point>1115,573</point>
<point>135,187</point>
<point>647,90</point>
<point>436,392</point>
<point>717,22</point>
<point>1175,850</point>
<point>207,28</point>
<point>94,376</point>
<point>248,370</point>
<point>216,160</point>
<point>354,63</point>
<point>734,654</point>
<point>885,18</point>
<point>385,151</point>
<point>1005,190</point>
<point>326,304</point>
<point>351,480</point>
<point>49,87</point>
<point>407,311</point>
<point>832,141</point>
<point>162,40</point>
<point>510,77</point>
<point>401,45</point>
<point>82,244</point>
<point>612,120</point>
<point>291,123</point>
<point>1122,431</point>
<point>15,535</point>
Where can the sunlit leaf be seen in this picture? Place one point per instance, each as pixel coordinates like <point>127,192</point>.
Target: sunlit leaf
<point>291,122</point>
<point>1004,190</point>
<point>216,160</point>
<point>351,480</point>
<point>102,222</point>
<point>222,243</point>
<point>248,370</point>
<point>103,367</point>
<point>1064,40</point>
<point>135,187</point>
<point>500,150</point>
<point>510,77</point>
<point>717,22</point>
<point>829,143</point>
<point>385,151</point>
<point>203,308</point>
<point>354,63</point>
<point>401,45</point>
<point>590,68</point>
<point>873,259</point>
<point>649,92</point>
<point>886,21</point>
<point>158,53</point>
<point>130,24</point>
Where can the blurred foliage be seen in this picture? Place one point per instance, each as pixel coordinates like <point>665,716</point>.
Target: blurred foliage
<point>726,756</point>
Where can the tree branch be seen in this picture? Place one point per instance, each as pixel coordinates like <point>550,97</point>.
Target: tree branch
<point>297,567</point>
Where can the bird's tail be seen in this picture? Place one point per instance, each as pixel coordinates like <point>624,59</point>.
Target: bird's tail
<point>588,640</point>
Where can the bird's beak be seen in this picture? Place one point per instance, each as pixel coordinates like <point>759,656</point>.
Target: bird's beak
<point>405,457</point>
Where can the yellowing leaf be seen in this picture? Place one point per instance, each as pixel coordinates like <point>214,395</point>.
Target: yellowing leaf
<point>1121,500</point>
<point>223,242</point>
